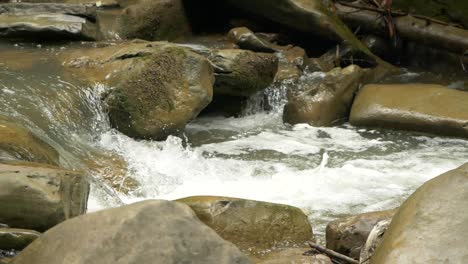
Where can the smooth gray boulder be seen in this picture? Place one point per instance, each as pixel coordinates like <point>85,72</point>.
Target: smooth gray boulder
<point>431,225</point>
<point>426,108</point>
<point>153,231</point>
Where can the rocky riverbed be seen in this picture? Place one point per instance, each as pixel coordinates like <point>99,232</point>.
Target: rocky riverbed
<point>230,132</point>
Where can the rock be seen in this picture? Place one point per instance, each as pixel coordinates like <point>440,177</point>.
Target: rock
<point>47,21</point>
<point>373,240</point>
<point>292,61</point>
<point>242,72</point>
<point>158,87</point>
<point>312,16</point>
<point>34,196</point>
<point>348,235</point>
<point>144,232</point>
<point>292,256</point>
<point>246,39</point>
<point>431,225</point>
<point>323,99</point>
<point>421,107</point>
<point>18,143</point>
<point>251,225</point>
<point>154,20</point>
<point>17,239</point>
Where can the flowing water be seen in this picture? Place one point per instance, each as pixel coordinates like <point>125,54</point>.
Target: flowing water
<point>327,172</point>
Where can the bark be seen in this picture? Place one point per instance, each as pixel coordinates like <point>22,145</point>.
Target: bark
<point>425,31</point>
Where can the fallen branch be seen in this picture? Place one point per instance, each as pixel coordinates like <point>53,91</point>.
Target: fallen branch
<point>419,30</point>
<point>332,254</point>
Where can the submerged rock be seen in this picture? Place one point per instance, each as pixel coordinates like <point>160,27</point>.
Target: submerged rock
<point>154,20</point>
<point>325,99</point>
<point>431,225</point>
<point>292,256</point>
<point>37,196</point>
<point>145,232</point>
<point>48,21</point>
<point>427,108</point>
<point>348,235</point>
<point>16,239</point>
<point>18,143</point>
<point>157,87</point>
<point>242,72</point>
<point>252,225</point>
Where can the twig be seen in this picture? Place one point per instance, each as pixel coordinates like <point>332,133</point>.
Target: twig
<point>332,253</point>
<point>397,13</point>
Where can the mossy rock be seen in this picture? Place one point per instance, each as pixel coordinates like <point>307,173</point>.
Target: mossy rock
<point>154,20</point>
<point>18,143</point>
<point>252,225</point>
<point>160,93</point>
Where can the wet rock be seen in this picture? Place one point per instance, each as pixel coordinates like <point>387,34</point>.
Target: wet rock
<point>17,239</point>
<point>427,108</point>
<point>18,143</point>
<point>154,20</point>
<point>158,87</point>
<point>348,235</point>
<point>251,225</point>
<point>47,21</point>
<point>242,72</point>
<point>431,225</point>
<point>144,232</point>
<point>314,16</point>
<point>323,99</point>
<point>291,64</point>
<point>246,39</point>
<point>373,240</point>
<point>34,196</point>
<point>292,256</point>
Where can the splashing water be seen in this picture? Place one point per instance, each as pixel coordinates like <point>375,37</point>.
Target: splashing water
<point>327,172</point>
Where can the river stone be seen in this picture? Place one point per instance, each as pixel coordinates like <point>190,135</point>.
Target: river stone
<point>18,143</point>
<point>17,239</point>
<point>421,107</point>
<point>431,225</point>
<point>154,20</point>
<point>47,21</point>
<point>323,99</point>
<point>242,72</point>
<point>246,39</point>
<point>252,225</point>
<point>348,235</point>
<point>153,231</point>
<point>161,94</point>
<point>34,196</point>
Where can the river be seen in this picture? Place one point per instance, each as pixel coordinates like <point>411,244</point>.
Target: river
<point>326,171</point>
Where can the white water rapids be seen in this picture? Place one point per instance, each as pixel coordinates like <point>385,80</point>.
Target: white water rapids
<point>327,172</point>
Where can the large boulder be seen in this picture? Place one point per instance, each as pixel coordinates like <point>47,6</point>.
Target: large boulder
<point>323,99</point>
<point>154,20</point>
<point>152,231</point>
<point>157,87</point>
<point>242,72</point>
<point>18,143</point>
<point>48,21</point>
<point>16,239</point>
<point>34,196</point>
<point>431,225</point>
<point>348,235</point>
<point>420,107</point>
<point>251,225</point>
